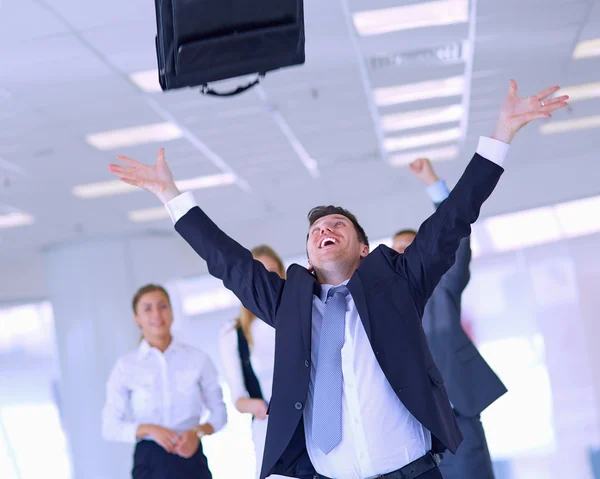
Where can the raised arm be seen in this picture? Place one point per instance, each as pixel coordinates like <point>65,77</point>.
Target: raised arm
<point>456,279</point>
<point>433,250</point>
<point>257,289</point>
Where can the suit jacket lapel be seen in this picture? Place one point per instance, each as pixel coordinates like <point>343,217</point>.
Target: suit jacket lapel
<point>358,295</point>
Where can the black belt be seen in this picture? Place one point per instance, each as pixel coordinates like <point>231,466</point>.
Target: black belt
<point>411,471</point>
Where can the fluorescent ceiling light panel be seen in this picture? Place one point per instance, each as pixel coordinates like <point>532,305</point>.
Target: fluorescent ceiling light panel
<point>104,188</point>
<point>208,181</point>
<point>425,90</point>
<point>522,229</point>
<point>587,48</point>
<point>570,125</point>
<point>146,81</point>
<point>419,118</point>
<point>137,135</point>
<point>116,187</point>
<point>434,154</point>
<point>148,214</point>
<point>581,92</point>
<point>422,139</point>
<point>580,217</point>
<point>14,220</point>
<point>408,17</point>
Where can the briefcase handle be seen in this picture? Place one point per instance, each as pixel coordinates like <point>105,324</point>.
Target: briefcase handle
<point>206,90</point>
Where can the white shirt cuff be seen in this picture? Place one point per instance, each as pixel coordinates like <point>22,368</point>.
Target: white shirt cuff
<point>438,192</point>
<point>130,432</point>
<point>493,150</point>
<point>180,205</point>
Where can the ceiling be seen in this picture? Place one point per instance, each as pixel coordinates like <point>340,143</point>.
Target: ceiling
<point>64,74</point>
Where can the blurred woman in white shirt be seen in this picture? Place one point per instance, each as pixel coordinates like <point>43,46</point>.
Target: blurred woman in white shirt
<point>259,339</point>
<point>164,396</point>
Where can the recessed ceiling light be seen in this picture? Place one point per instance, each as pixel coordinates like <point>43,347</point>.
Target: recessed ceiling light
<point>116,187</point>
<point>422,139</point>
<point>580,217</point>
<point>522,229</point>
<point>148,214</point>
<point>434,154</point>
<point>587,48</point>
<point>407,17</point>
<point>418,118</point>
<point>137,135</point>
<point>425,90</point>
<point>14,220</point>
<point>580,92</point>
<point>146,80</point>
<point>570,125</point>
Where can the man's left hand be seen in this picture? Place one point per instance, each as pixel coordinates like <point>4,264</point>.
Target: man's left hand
<point>516,112</point>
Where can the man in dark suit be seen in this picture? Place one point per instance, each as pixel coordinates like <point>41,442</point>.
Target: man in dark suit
<point>470,382</point>
<point>356,393</point>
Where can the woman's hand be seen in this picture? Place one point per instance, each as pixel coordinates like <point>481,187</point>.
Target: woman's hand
<point>188,444</point>
<point>164,437</point>
<point>256,407</point>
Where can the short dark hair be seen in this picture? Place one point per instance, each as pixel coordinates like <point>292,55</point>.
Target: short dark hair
<point>407,231</point>
<point>319,212</point>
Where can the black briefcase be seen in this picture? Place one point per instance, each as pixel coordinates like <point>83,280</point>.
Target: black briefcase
<point>202,41</point>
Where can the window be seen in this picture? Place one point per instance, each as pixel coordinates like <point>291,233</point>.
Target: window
<point>32,441</point>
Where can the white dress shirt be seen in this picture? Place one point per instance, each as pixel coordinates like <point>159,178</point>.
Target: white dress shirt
<point>176,389</point>
<point>379,434</point>
<point>262,358</point>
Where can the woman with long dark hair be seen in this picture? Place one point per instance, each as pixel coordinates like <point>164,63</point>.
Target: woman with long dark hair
<point>247,349</point>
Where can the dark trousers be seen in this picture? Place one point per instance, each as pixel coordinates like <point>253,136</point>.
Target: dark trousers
<point>433,474</point>
<point>472,459</point>
<point>151,461</point>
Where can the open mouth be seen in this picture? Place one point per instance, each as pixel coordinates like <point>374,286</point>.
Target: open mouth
<point>327,242</point>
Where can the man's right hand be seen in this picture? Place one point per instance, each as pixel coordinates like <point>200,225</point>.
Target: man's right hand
<point>164,437</point>
<point>157,179</point>
<point>423,170</point>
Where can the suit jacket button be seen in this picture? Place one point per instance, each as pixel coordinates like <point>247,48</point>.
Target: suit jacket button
<point>306,363</point>
<point>298,406</point>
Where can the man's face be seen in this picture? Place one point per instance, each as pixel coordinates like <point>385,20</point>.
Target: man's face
<point>402,241</point>
<point>333,239</point>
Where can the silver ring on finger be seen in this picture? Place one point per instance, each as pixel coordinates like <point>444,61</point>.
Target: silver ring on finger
<point>543,104</point>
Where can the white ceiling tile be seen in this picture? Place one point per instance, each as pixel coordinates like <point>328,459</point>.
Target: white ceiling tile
<point>59,89</point>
